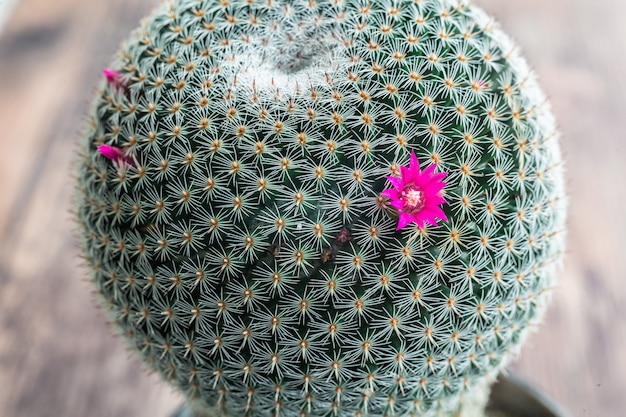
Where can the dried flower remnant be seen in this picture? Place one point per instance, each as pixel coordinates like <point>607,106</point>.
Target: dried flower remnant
<point>417,194</point>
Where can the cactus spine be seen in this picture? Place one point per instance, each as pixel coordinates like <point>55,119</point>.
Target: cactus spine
<point>235,218</point>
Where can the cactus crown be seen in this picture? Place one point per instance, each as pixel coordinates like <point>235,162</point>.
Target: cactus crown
<point>234,217</point>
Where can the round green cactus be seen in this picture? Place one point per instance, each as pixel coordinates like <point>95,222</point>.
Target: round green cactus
<point>262,206</point>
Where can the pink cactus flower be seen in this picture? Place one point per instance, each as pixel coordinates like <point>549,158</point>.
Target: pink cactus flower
<point>417,194</point>
<point>115,154</point>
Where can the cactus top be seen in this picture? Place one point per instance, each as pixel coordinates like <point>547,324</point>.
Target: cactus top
<point>242,183</point>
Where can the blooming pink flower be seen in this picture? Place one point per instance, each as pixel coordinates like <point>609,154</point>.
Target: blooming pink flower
<point>417,194</point>
<point>115,154</point>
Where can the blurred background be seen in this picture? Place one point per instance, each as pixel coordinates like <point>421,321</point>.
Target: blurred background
<point>57,356</point>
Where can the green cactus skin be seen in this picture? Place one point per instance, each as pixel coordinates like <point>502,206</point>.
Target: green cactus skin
<point>242,245</point>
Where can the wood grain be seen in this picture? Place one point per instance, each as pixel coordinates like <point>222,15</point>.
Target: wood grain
<point>57,357</point>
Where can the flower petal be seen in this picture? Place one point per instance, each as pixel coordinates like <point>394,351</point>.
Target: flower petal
<point>437,177</point>
<point>404,220</point>
<point>396,182</point>
<point>434,212</point>
<point>434,201</point>
<point>414,163</point>
<point>429,170</point>
<point>405,173</point>
<point>441,214</point>
<point>391,193</point>
<point>397,204</point>
<point>418,221</point>
<point>433,188</point>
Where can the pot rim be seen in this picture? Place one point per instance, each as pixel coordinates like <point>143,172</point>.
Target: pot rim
<point>514,394</point>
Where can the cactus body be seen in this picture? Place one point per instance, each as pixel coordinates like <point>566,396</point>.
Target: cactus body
<point>241,241</point>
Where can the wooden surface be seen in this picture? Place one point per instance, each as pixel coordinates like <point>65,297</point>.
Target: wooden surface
<point>57,357</point>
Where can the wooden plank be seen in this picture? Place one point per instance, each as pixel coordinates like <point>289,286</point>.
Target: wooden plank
<point>57,357</point>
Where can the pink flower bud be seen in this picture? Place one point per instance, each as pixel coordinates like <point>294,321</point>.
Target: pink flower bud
<point>115,154</point>
<point>112,76</point>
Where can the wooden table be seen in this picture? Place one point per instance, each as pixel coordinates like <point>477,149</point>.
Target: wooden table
<point>57,357</point>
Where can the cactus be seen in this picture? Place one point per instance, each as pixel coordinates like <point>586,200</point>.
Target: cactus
<point>322,207</point>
